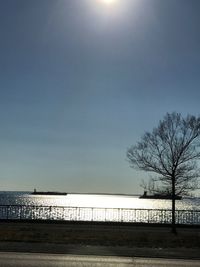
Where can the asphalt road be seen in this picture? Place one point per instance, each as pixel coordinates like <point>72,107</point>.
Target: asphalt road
<point>10,259</point>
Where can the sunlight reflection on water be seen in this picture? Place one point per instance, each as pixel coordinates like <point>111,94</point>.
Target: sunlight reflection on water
<point>103,201</point>
<point>132,202</point>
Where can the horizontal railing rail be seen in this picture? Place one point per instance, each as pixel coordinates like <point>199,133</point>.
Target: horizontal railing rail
<point>31,212</point>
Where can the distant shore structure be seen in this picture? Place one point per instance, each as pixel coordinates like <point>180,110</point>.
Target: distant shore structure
<point>159,196</point>
<point>53,193</point>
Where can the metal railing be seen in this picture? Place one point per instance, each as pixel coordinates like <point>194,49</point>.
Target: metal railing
<point>97,214</point>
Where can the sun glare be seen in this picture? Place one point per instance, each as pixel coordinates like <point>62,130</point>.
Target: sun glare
<point>109,2</point>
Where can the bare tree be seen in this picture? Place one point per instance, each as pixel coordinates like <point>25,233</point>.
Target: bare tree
<point>171,151</point>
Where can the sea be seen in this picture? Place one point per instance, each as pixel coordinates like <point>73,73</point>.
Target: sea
<point>95,207</point>
<point>95,201</point>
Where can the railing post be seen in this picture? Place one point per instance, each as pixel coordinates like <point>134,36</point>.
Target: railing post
<point>77,214</point>
<point>92,215</point>
<point>118,215</point>
<point>20,212</point>
<point>192,216</point>
<point>7,207</point>
<point>177,217</point>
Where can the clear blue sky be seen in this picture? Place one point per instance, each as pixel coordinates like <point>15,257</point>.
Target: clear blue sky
<point>81,80</point>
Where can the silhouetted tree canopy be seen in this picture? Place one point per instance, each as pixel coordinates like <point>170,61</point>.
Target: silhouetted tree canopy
<point>171,151</point>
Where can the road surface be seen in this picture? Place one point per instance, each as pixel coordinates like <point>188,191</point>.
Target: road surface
<point>10,259</point>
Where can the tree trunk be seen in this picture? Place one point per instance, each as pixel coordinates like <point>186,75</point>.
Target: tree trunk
<point>173,206</point>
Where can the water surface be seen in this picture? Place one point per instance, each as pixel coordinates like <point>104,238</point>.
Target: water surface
<point>96,201</point>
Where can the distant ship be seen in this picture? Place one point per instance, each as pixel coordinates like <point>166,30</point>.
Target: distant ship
<point>53,193</point>
<point>159,196</point>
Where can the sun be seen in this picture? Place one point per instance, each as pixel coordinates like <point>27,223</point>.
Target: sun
<point>109,2</point>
